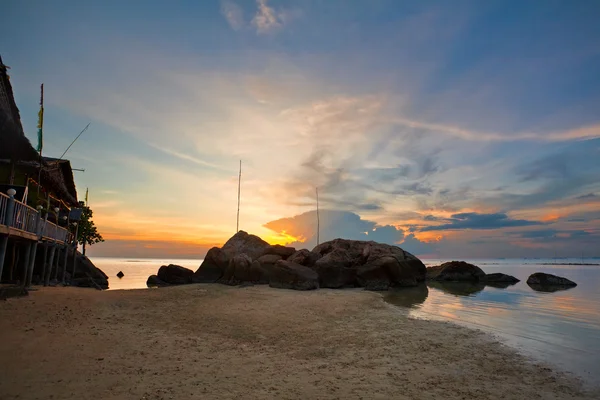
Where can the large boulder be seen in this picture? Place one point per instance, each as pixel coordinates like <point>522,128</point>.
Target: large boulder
<point>456,271</point>
<point>289,275</point>
<point>375,266</point>
<point>540,278</point>
<point>243,243</point>
<point>335,269</point>
<point>499,278</point>
<point>212,268</point>
<point>265,264</point>
<point>282,251</point>
<point>304,257</point>
<point>175,274</point>
<point>237,271</point>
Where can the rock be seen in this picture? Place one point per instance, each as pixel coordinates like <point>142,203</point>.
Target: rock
<point>456,271</point>
<point>385,272</point>
<point>282,251</point>
<point>259,273</point>
<point>153,281</point>
<point>212,268</point>
<point>500,278</point>
<point>540,278</point>
<point>289,275</point>
<point>175,274</point>
<point>238,271</point>
<point>433,272</point>
<point>304,257</point>
<point>243,243</point>
<point>265,264</point>
<point>374,276</point>
<point>335,270</point>
<point>120,274</point>
<point>86,273</point>
<point>375,266</point>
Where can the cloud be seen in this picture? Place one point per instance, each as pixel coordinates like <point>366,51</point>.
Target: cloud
<point>266,19</point>
<point>333,224</point>
<point>577,133</point>
<point>233,14</point>
<point>475,220</point>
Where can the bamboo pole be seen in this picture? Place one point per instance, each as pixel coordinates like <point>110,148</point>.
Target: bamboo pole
<point>237,226</point>
<point>318,221</point>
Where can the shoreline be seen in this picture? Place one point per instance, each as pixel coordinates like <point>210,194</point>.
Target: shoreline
<point>215,341</point>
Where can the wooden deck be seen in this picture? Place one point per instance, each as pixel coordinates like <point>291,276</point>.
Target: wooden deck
<point>17,233</point>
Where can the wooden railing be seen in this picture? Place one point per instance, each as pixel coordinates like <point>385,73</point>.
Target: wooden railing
<point>24,218</point>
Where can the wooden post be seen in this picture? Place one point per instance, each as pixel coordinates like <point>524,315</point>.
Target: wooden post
<point>3,245</point>
<point>50,263</point>
<point>45,263</point>
<point>31,264</point>
<point>56,262</point>
<point>26,264</point>
<point>10,206</point>
<point>64,268</point>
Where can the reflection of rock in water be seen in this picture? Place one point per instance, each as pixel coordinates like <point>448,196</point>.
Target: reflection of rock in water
<point>407,296</point>
<point>499,285</point>
<point>548,288</point>
<point>458,288</point>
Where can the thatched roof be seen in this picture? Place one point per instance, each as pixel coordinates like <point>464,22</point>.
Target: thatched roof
<point>13,143</point>
<point>56,177</point>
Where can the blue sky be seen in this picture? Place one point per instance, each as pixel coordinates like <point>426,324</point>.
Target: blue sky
<point>455,129</point>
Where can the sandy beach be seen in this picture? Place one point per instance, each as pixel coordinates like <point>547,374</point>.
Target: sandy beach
<point>220,342</point>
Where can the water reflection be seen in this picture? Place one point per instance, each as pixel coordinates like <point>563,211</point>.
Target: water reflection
<point>458,288</point>
<point>548,288</point>
<point>408,297</point>
<point>500,285</point>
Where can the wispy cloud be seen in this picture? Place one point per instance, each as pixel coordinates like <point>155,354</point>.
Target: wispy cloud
<point>233,13</point>
<point>266,19</point>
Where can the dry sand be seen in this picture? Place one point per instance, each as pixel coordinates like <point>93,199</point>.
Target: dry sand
<point>219,342</point>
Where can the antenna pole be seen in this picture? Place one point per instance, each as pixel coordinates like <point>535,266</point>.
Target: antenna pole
<point>80,133</point>
<point>237,226</point>
<point>318,222</point>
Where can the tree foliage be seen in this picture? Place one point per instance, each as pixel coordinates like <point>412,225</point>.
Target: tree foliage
<point>87,233</point>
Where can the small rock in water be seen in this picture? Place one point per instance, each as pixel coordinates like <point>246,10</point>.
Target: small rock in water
<point>120,274</point>
<point>540,278</point>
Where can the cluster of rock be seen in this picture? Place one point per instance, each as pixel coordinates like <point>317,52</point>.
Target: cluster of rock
<point>340,263</point>
<point>460,271</point>
<point>335,264</point>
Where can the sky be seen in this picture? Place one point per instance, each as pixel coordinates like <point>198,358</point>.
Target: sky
<point>461,129</point>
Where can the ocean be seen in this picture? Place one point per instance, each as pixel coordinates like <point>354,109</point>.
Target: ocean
<point>561,328</point>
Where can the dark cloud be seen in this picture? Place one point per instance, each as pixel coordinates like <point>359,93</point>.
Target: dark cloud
<point>589,196</point>
<point>480,221</point>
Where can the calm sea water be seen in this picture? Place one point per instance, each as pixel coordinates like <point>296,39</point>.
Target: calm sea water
<point>561,327</point>
<point>136,270</point>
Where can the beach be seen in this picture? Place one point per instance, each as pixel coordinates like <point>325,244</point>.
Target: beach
<point>210,341</point>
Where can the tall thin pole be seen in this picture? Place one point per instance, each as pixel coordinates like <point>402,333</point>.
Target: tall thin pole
<point>318,222</point>
<point>237,227</point>
<point>40,135</point>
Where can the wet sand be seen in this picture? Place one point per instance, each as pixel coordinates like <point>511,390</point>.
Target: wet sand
<point>219,342</point>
